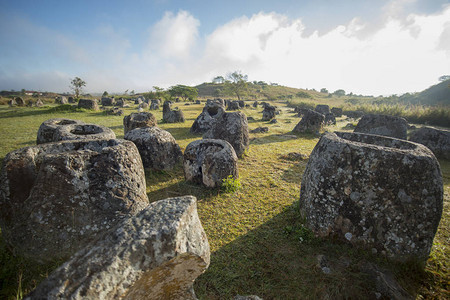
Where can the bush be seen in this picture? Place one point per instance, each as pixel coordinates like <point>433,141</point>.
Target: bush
<point>230,184</point>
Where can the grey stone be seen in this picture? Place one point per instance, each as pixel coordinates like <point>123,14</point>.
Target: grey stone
<point>157,147</point>
<point>437,140</point>
<point>241,103</point>
<point>61,100</point>
<point>115,111</point>
<point>156,254</point>
<point>108,101</point>
<point>211,112</point>
<point>273,121</point>
<point>268,113</point>
<point>136,120</point>
<point>138,101</point>
<point>337,111</point>
<point>209,161</point>
<point>39,103</point>
<point>55,198</point>
<point>29,103</point>
<point>363,187</point>
<point>330,119</point>
<point>233,105</point>
<point>144,105</point>
<point>260,130</point>
<point>322,109</point>
<point>19,101</point>
<point>312,122</point>
<point>82,132</point>
<point>233,128</point>
<point>120,103</point>
<point>71,99</point>
<point>12,103</point>
<point>255,104</point>
<point>88,104</point>
<point>354,114</point>
<point>154,106</point>
<point>385,125</point>
<point>48,128</point>
<point>172,115</point>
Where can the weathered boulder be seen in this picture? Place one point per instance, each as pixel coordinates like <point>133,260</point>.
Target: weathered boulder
<point>385,125</point>
<point>154,106</point>
<point>71,99</point>
<point>29,103</point>
<point>322,109</point>
<point>211,111</point>
<point>136,120</point>
<point>138,101</point>
<point>82,132</point>
<point>336,111</point>
<point>255,104</point>
<point>268,113</point>
<point>157,147</point>
<point>209,161</point>
<point>48,128</point>
<point>108,101</point>
<point>198,102</point>
<point>374,191</point>
<point>12,103</point>
<point>156,254</point>
<point>241,103</point>
<point>19,101</point>
<point>39,103</point>
<point>233,105</point>
<point>311,122</point>
<point>354,114</point>
<point>172,116</point>
<point>55,198</point>
<point>437,140</point>
<point>330,119</point>
<point>144,105</point>
<point>233,128</point>
<point>61,100</point>
<point>260,129</point>
<point>115,111</point>
<point>88,104</point>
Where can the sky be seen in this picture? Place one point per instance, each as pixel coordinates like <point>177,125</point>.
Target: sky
<point>369,47</point>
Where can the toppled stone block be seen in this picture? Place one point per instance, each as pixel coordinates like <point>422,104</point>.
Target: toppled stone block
<point>363,187</point>
<point>55,198</point>
<point>268,113</point>
<point>156,254</point>
<point>88,104</point>
<point>158,148</point>
<point>322,109</point>
<point>385,125</point>
<point>209,161</point>
<point>172,115</point>
<point>437,140</point>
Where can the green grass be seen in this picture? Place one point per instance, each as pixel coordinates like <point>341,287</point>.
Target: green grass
<point>259,244</point>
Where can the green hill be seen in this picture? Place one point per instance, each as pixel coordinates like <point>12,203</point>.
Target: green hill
<point>438,94</point>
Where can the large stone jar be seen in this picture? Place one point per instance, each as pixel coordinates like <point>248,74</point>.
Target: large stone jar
<point>377,192</point>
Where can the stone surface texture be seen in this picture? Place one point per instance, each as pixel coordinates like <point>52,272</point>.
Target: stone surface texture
<point>157,147</point>
<point>172,115</point>
<point>209,161</point>
<point>322,109</point>
<point>385,125</point>
<point>311,122</point>
<point>233,128</point>
<point>55,198</point>
<point>137,120</point>
<point>377,192</point>
<point>211,112</point>
<point>108,101</point>
<point>88,104</point>
<point>437,140</point>
<point>82,132</point>
<point>337,111</point>
<point>48,128</point>
<point>268,113</point>
<point>156,254</point>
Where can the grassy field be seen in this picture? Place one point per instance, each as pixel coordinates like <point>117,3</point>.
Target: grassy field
<point>258,242</point>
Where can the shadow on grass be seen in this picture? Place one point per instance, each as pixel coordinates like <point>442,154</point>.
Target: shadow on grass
<point>277,138</point>
<point>23,112</point>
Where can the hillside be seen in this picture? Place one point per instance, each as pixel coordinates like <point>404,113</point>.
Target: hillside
<point>438,94</point>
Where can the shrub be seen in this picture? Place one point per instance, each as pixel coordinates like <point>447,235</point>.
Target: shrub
<point>230,184</point>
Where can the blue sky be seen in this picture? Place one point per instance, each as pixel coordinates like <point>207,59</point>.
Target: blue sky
<point>366,47</point>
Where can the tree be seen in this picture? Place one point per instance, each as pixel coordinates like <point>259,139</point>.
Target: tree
<point>132,92</point>
<point>324,90</point>
<point>339,93</point>
<point>218,80</point>
<point>105,94</point>
<point>236,84</point>
<point>183,91</point>
<point>444,78</point>
<point>77,86</point>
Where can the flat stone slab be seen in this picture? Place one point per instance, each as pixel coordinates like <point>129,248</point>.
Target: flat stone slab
<point>156,254</point>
